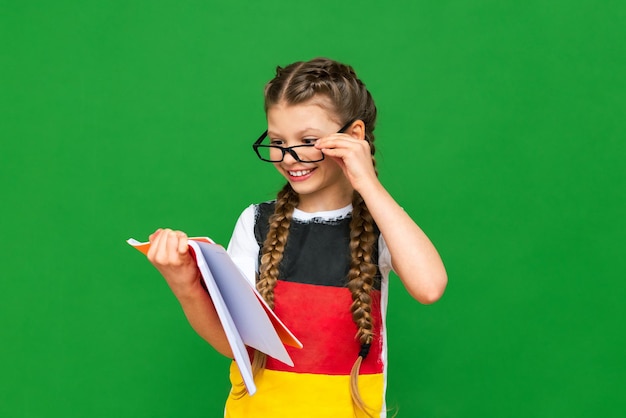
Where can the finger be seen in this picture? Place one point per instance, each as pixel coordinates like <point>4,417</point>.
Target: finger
<point>153,235</point>
<point>334,140</point>
<point>344,150</point>
<point>335,152</point>
<point>183,244</point>
<point>154,239</point>
<point>171,246</point>
<point>355,145</point>
<point>161,245</point>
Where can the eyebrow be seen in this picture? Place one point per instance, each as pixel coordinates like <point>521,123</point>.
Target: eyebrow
<point>299,133</point>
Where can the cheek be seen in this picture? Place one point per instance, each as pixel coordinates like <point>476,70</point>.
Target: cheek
<point>277,167</point>
<point>332,166</point>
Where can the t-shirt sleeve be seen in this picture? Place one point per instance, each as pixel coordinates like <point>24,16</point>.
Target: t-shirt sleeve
<point>384,257</point>
<point>243,248</point>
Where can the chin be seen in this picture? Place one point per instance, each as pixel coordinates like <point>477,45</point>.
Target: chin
<point>302,189</point>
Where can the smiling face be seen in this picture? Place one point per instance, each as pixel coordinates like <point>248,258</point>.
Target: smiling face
<point>320,185</point>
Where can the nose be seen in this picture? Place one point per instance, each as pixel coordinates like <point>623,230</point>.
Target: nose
<point>290,156</point>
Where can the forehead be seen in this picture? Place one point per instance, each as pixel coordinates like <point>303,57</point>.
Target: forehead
<point>285,117</point>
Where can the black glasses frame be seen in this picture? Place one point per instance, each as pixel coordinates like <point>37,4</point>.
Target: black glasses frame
<point>257,144</point>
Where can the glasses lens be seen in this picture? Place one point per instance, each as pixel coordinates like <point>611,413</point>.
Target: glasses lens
<point>308,153</point>
<point>269,153</point>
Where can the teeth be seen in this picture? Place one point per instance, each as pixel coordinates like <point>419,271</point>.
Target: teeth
<point>299,173</point>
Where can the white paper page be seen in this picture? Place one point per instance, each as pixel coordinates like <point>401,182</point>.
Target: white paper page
<point>234,339</point>
<point>248,315</point>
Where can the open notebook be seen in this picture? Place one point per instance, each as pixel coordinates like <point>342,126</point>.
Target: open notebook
<point>245,316</point>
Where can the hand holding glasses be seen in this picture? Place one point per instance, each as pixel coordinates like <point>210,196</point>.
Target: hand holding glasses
<point>306,153</point>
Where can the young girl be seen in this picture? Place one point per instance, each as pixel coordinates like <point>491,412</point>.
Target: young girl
<point>320,254</point>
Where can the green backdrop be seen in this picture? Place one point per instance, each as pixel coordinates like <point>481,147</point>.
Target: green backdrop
<point>501,130</point>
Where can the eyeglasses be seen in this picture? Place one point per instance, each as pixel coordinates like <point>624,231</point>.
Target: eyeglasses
<point>306,153</point>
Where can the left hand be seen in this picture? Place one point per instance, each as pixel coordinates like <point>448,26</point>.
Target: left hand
<point>353,155</point>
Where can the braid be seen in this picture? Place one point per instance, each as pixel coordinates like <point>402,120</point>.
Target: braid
<point>360,283</point>
<point>272,254</point>
<point>274,245</point>
<point>362,270</point>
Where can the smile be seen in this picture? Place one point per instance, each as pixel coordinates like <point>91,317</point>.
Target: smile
<point>299,173</point>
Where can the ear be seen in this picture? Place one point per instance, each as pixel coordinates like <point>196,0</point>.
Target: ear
<point>357,130</point>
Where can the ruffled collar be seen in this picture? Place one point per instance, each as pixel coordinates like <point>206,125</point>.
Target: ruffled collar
<point>323,216</point>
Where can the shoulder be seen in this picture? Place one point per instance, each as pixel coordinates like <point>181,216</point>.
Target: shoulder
<point>253,222</point>
<point>243,246</point>
<point>246,218</point>
<point>262,213</point>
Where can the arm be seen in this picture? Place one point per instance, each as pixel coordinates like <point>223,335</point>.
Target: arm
<point>414,258</point>
<point>169,253</point>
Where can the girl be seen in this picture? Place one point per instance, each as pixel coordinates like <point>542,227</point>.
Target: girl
<point>320,254</point>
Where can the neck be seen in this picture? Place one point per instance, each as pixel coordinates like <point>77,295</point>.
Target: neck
<point>316,204</point>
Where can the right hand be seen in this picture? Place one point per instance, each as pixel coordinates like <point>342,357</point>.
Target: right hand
<point>169,253</point>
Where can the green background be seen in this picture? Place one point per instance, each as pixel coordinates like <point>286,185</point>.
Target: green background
<point>501,131</point>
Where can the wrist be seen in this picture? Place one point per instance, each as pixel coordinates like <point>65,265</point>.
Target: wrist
<point>189,290</point>
<point>369,190</point>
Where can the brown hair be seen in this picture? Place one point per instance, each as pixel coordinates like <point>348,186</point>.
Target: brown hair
<point>349,100</point>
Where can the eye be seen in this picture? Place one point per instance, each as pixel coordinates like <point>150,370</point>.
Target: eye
<point>309,141</point>
<point>279,142</point>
